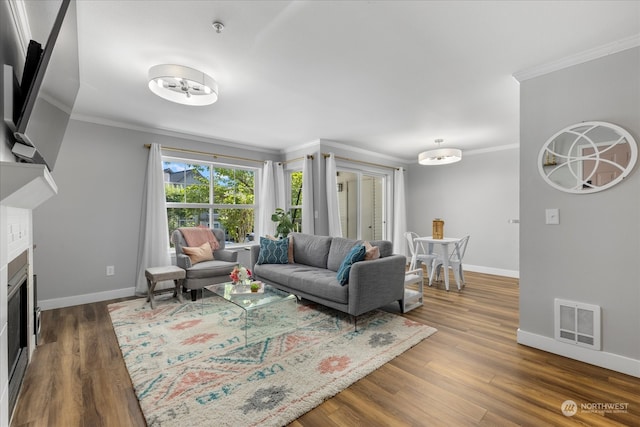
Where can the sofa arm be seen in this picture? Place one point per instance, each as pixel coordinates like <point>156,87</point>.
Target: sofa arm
<point>226,255</point>
<point>375,283</point>
<point>183,261</point>
<point>253,256</point>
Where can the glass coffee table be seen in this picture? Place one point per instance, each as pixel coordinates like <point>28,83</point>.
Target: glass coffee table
<point>267,313</point>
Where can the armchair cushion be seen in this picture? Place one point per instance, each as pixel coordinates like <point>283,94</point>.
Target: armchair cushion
<point>199,254</point>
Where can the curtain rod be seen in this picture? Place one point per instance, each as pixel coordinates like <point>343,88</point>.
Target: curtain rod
<point>204,153</point>
<point>308,156</point>
<point>361,162</point>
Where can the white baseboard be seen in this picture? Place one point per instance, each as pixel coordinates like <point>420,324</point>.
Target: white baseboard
<point>490,270</point>
<point>50,304</point>
<point>612,361</point>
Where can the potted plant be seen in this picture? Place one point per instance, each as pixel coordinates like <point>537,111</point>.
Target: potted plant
<point>255,286</point>
<point>285,222</point>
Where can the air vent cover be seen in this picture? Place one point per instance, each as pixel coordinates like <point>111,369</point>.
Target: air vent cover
<point>577,323</point>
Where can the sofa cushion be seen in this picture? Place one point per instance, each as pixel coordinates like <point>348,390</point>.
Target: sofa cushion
<point>199,253</point>
<point>273,251</point>
<point>311,250</point>
<point>309,280</point>
<point>207,269</point>
<point>290,248</point>
<point>373,252</point>
<point>355,254</point>
<point>386,247</point>
<point>338,251</point>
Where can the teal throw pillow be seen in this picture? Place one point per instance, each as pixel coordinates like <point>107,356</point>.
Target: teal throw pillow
<point>356,254</point>
<point>273,251</point>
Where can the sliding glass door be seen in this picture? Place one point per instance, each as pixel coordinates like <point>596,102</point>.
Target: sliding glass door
<point>361,198</point>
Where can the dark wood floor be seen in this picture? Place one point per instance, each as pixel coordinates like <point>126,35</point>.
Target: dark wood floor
<point>471,372</point>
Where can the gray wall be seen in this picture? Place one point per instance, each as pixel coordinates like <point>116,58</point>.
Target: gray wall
<point>592,256</point>
<point>476,196</point>
<point>94,221</point>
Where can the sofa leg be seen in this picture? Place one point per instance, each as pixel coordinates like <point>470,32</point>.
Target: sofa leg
<point>401,306</point>
<point>194,294</point>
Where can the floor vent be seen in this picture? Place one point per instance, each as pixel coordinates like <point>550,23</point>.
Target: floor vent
<point>577,323</point>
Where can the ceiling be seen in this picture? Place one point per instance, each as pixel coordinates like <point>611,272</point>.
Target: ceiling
<point>386,76</point>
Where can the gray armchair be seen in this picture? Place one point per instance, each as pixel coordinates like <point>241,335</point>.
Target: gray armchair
<point>207,272</point>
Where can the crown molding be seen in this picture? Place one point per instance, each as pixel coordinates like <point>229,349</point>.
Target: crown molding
<point>349,148</point>
<point>172,134</point>
<point>491,149</point>
<point>579,58</point>
<point>311,145</point>
<point>21,23</point>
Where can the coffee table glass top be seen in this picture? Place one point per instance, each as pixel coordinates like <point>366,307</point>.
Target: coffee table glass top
<point>242,296</point>
<point>267,314</point>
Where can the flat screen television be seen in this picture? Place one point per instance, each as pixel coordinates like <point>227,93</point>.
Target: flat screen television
<point>49,98</point>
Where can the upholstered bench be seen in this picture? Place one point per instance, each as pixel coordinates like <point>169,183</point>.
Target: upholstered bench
<point>159,274</point>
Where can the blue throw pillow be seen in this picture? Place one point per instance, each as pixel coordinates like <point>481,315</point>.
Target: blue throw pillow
<point>273,251</point>
<point>355,254</point>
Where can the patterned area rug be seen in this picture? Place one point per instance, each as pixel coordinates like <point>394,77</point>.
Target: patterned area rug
<point>189,364</point>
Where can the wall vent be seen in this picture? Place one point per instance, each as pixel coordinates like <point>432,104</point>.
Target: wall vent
<point>577,323</point>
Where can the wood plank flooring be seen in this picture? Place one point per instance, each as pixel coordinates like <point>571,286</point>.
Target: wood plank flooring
<point>471,372</point>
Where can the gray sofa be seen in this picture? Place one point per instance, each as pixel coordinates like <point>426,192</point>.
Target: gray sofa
<point>208,272</point>
<point>313,275</point>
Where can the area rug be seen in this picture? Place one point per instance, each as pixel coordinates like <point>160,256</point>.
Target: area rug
<point>189,364</point>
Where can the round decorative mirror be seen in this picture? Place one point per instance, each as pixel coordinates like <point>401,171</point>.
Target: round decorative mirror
<point>587,157</point>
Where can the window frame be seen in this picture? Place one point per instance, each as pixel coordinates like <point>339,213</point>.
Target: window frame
<point>212,206</point>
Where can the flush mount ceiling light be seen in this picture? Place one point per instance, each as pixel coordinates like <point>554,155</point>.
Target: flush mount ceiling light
<point>183,85</point>
<point>440,156</point>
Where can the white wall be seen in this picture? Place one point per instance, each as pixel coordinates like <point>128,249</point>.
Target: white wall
<point>476,196</point>
<point>592,255</point>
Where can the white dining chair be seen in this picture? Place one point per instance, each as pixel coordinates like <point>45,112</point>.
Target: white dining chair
<point>455,262</point>
<point>419,253</point>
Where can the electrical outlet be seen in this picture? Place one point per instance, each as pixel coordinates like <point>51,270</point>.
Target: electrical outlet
<point>111,270</point>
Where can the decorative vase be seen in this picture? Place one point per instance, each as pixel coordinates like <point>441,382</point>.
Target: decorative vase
<point>438,228</point>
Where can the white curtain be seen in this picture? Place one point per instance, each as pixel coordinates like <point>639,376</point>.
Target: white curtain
<point>153,251</point>
<point>333,209</point>
<point>308,223</point>
<point>267,201</point>
<point>281,198</point>
<point>399,213</point>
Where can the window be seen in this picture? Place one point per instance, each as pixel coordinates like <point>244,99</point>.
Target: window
<point>361,199</point>
<point>210,195</point>
<point>295,199</point>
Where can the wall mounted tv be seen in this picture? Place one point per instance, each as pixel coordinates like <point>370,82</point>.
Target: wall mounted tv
<point>49,94</point>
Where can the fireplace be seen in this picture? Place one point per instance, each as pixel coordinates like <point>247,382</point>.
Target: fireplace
<point>17,324</point>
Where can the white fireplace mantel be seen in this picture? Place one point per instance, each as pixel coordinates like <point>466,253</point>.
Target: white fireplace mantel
<point>25,185</point>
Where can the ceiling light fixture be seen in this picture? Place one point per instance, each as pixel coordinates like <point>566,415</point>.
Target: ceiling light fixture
<point>218,26</point>
<point>182,84</point>
<point>440,156</point>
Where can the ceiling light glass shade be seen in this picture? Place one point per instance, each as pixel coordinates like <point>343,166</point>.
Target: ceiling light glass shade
<point>440,156</point>
<point>183,85</point>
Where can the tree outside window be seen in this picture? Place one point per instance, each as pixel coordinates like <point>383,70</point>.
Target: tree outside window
<point>206,195</point>
<point>295,200</point>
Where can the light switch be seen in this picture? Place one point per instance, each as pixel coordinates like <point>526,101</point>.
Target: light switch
<point>552,216</point>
